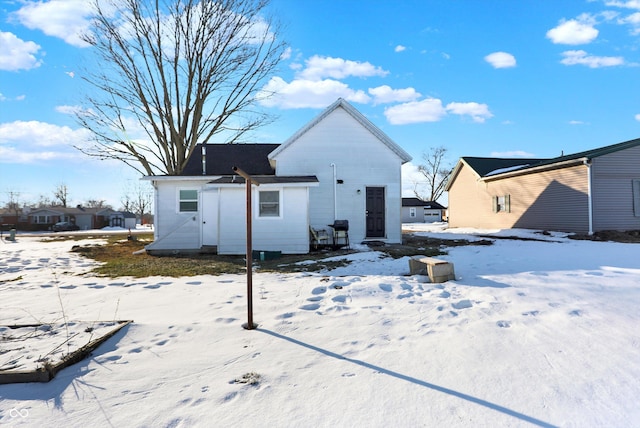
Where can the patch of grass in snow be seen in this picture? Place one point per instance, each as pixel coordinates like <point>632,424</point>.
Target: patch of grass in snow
<point>118,260</point>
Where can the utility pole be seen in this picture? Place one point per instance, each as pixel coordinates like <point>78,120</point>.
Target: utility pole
<point>249,181</point>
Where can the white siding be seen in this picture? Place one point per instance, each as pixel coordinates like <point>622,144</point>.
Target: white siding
<point>361,160</point>
<point>288,233</point>
<point>176,230</point>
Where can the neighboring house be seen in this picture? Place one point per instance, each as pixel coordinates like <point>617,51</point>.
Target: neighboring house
<point>585,192</point>
<point>123,219</point>
<point>416,210</point>
<point>9,218</point>
<point>337,167</point>
<point>85,218</point>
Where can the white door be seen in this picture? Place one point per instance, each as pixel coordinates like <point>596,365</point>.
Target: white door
<point>210,217</point>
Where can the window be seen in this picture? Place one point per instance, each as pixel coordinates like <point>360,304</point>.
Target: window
<point>269,203</point>
<point>502,204</point>
<point>42,219</point>
<point>412,212</point>
<point>188,201</point>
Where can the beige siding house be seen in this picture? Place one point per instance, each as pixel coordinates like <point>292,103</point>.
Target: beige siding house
<point>585,192</point>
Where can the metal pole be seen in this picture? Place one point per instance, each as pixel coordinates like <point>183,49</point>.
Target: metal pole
<point>250,325</point>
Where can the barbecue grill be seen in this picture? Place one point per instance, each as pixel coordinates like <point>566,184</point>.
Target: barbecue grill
<point>340,233</point>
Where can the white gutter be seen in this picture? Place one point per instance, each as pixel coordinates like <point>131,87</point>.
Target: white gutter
<point>587,163</point>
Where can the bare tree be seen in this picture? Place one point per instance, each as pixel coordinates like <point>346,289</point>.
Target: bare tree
<point>96,203</point>
<point>61,195</point>
<point>138,199</point>
<point>44,201</point>
<point>436,171</point>
<point>14,204</point>
<point>179,72</point>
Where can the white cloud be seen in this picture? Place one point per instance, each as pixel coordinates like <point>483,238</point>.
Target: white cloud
<point>308,93</point>
<point>637,117</point>
<point>16,54</point>
<point>634,21</point>
<point>573,32</point>
<point>400,48</point>
<point>512,154</point>
<point>287,53</point>
<point>32,141</point>
<point>69,110</point>
<point>385,94</point>
<point>501,60</point>
<point>34,135</point>
<point>319,67</point>
<point>318,84</point>
<point>65,19</point>
<point>478,112</point>
<point>629,4</point>
<point>427,110</point>
<point>432,110</point>
<point>576,122</point>
<point>581,57</point>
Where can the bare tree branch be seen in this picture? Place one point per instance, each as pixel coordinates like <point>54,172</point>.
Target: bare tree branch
<point>175,73</point>
<point>436,171</point>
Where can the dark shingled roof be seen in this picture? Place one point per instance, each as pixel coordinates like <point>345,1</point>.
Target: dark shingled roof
<point>484,166</point>
<point>220,158</point>
<point>268,179</point>
<point>415,202</point>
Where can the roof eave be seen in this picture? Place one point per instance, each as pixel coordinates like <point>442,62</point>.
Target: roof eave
<point>536,169</point>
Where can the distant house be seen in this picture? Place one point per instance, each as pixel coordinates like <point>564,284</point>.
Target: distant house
<point>585,192</point>
<point>339,166</point>
<point>416,210</point>
<point>123,219</point>
<point>85,218</point>
<point>9,218</point>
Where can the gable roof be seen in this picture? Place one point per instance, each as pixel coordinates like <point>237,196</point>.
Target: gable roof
<point>495,168</point>
<point>415,202</point>
<point>359,117</point>
<point>491,166</point>
<point>220,158</point>
<point>77,210</point>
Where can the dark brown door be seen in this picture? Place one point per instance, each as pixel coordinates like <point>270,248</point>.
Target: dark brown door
<point>375,212</point>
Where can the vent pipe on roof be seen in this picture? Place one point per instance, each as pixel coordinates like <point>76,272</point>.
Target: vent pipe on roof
<point>204,160</point>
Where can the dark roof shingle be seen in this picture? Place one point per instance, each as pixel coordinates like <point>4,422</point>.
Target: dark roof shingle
<point>220,158</point>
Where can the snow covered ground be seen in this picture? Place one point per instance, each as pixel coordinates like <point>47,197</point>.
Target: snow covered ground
<point>531,333</point>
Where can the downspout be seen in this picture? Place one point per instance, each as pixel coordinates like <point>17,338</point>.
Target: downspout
<point>587,163</point>
<point>204,160</point>
<point>156,198</point>
<point>335,192</point>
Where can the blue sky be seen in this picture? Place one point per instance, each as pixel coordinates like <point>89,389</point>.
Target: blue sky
<point>524,78</point>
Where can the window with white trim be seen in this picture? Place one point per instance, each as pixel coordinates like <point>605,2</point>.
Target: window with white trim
<point>188,200</point>
<point>269,203</point>
<point>42,219</point>
<point>502,204</point>
<point>412,212</point>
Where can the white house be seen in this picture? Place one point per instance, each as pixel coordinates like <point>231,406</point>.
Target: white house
<point>337,167</point>
<point>416,210</point>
